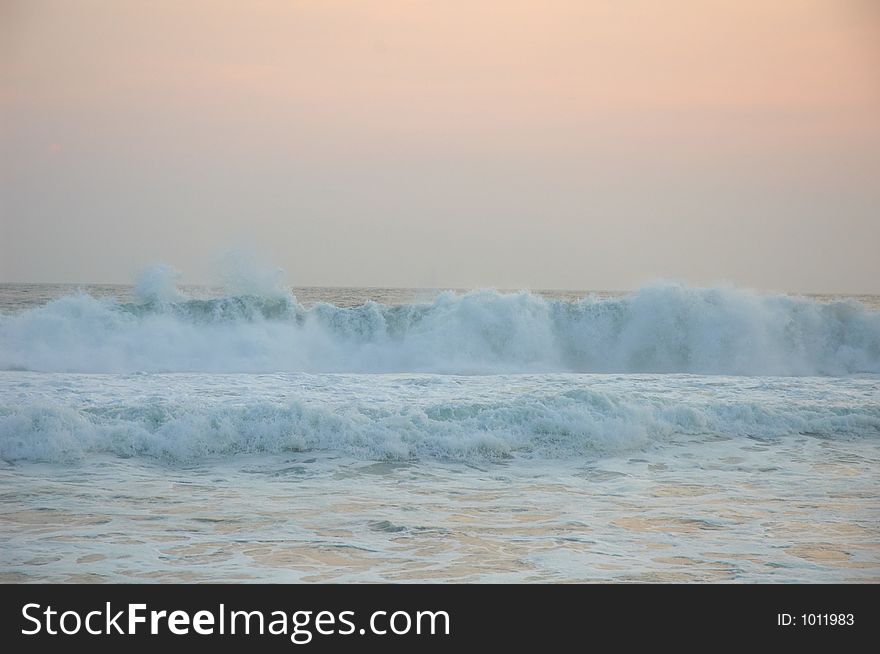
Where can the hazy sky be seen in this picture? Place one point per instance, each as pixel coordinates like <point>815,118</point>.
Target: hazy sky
<point>541,144</point>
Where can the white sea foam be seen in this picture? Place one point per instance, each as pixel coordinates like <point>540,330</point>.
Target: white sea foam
<point>190,417</point>
<point>664,328</point>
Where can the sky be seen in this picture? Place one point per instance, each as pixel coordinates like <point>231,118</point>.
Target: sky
<point>584,144</point>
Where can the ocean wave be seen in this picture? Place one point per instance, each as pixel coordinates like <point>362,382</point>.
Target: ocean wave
<point>663,328</point>
<point>570,424</point>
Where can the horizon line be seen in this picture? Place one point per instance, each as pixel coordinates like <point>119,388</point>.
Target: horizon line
<point>514,289</point>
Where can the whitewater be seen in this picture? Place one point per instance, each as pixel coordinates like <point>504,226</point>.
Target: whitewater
<point>253,432</point>
<point>662,329</point>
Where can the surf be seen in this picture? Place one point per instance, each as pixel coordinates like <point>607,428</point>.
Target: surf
<point>662,328</point>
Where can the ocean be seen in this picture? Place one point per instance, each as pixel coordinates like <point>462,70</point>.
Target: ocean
<point>259,433</point>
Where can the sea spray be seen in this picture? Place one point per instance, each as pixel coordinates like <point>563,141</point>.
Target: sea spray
<point>663,329</point>
<point>242,273</point>
<point>158,283</point>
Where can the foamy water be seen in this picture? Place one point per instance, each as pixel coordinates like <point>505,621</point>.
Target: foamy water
<point>671,434</point>
<point>665,328</point>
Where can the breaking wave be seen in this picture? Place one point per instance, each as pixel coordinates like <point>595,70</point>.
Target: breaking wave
<point>661,329</point>
<point>570,424</point>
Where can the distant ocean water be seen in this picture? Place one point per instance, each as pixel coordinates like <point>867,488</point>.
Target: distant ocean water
<point>674,433</point>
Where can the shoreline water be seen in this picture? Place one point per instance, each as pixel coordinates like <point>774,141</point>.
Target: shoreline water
<point>305,518</point>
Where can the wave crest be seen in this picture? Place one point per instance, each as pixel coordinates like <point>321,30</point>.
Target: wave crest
<point>665,329</point>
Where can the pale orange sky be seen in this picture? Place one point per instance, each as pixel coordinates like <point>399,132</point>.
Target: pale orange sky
<point>591,144</point>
